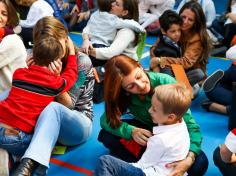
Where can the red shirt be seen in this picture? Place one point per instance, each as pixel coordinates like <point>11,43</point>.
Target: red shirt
<point>32,90</point>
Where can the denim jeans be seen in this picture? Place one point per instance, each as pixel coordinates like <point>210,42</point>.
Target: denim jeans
<point>57,122</point>
<point>15,144</point>
<point>112,142</point>
<point>225,168</point>
<point>110,166</point>
<point>195,76</point>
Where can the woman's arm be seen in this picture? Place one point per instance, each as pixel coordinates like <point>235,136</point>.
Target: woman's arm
<point>194,133</point>
<point>122,40</point>
<point>192,53</point>
<point>65,99</point>
<point>124,131</point>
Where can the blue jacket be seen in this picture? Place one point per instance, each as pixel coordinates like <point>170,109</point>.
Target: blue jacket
<point>57,12</point>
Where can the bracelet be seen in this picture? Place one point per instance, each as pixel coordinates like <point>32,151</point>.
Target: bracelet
<point>158,61</point>
<point>191,155</point>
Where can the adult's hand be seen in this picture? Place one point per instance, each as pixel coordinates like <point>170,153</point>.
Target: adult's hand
<point>141,136</point>
<point>231,16</point>
<point>71,46</point>
<point>83,16</point>
<point>65,99</point>
<point>75,9</point>
<point>92,52</point>
<point>154,62</point>
<point>180,167</point>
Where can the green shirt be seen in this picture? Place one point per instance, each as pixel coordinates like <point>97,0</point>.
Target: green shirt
<point>139,108</point>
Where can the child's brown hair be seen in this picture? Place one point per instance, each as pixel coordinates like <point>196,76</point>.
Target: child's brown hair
<point>47,50</point>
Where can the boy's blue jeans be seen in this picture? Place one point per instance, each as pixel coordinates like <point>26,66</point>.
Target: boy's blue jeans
<point>15,144</point>
<point>111,166</point>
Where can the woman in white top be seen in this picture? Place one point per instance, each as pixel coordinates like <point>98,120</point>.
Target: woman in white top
<point>156,9</point>
<point>38,10</point>
<point>12,49</point>
<point>126,39</point>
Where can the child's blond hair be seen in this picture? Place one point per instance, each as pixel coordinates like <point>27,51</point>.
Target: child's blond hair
<point>175,98</point>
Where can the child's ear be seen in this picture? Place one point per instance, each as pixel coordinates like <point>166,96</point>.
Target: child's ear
<point>171,117</point>
<point>163,32</point>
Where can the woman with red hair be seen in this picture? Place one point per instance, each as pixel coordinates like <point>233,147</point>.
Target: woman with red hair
<point>127,138</point>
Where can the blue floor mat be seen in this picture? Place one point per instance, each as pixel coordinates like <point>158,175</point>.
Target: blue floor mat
<point>81,160</point>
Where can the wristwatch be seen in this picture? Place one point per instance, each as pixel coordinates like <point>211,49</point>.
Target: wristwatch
<point>192,156</point>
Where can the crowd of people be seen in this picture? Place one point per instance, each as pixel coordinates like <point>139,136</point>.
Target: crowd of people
<point>47,83</point>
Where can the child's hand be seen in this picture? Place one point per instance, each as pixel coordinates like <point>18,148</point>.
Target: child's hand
<point>86,46</point>
<point>55,67</point>
<point>71,46</point>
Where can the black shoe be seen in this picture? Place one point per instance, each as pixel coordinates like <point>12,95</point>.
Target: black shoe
<point>206,105</point>
<point>25,168</point>
<point>212,80</point>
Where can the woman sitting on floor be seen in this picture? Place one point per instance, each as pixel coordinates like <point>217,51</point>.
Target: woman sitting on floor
<point>133,91</point>
<point>194,42</point>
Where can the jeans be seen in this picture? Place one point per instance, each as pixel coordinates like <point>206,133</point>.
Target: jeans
<point>112,142</point>
<point>57,122</point>
<point>195,76</point>
<point>111,166</point>
<point>15,144</point>
<point>225,168</point>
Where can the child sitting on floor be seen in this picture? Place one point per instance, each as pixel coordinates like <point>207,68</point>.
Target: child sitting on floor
<point>167,46</point>
<point>170,141</point>
<point>33,88</point>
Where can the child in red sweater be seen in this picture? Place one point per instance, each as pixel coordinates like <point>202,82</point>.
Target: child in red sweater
<point>33,88</point>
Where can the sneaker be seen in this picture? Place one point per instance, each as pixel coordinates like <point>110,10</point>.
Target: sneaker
<point>212,80</point>
<point>4,161</point>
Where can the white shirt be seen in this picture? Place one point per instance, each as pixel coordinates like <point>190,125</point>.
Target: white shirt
<point>38,10</point>
<point>122,44</point>
<point>208,8</point>
<point>170,143</point>
<point>102,27</point>
<point>12,56</point>
<point>230,141</point>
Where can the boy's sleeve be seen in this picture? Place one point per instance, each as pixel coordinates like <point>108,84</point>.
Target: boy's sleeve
<point>124,131</point>
<point>131,24</point>
<point>70,73</point>
<point>194,133</point>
